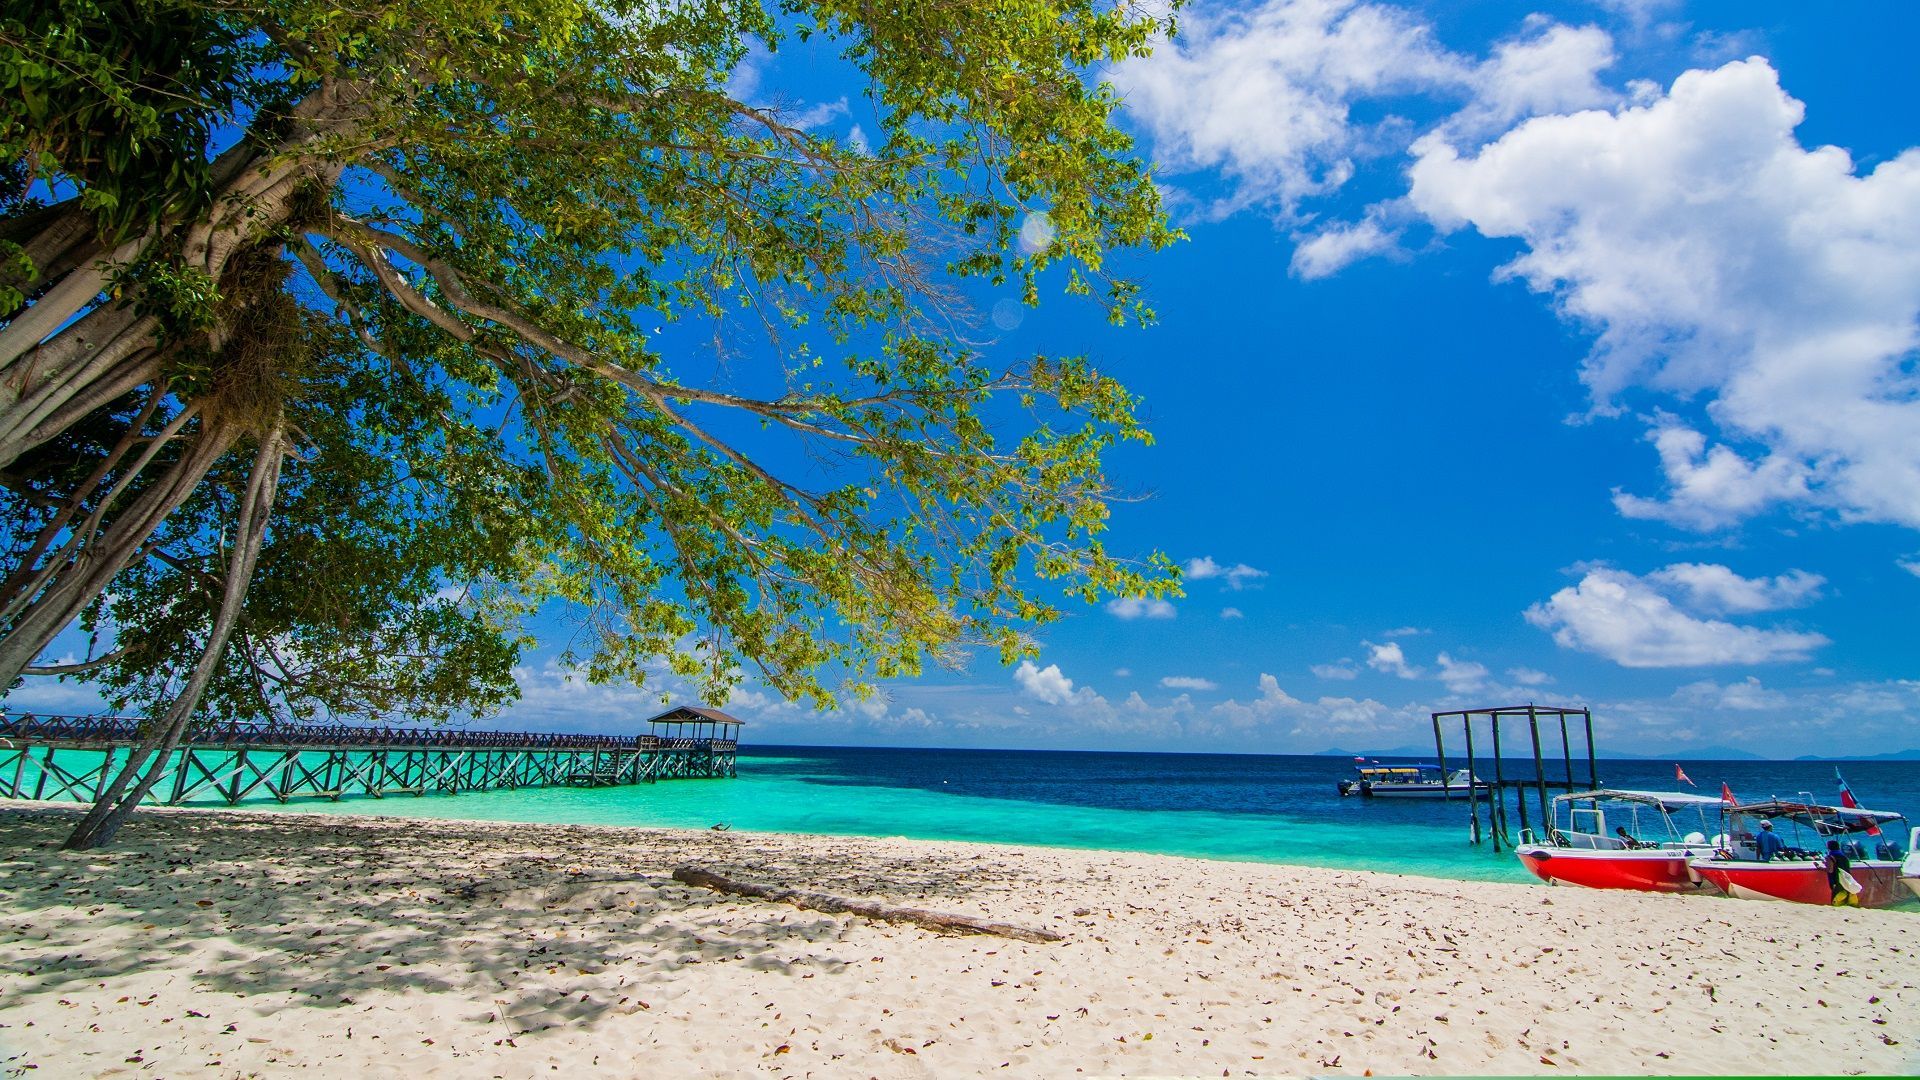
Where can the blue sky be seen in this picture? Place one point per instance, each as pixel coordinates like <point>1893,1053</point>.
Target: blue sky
<point>1560,353</point>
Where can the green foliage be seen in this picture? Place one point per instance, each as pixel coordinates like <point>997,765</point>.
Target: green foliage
<point>122,98</point>
<point>520,193</point>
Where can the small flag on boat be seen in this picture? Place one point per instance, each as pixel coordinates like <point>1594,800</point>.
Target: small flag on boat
<point>1847,800</point>
<point>1726,795</point>
<point>1681,775</point>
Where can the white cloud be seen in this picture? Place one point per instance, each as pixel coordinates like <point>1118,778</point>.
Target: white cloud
<point>1714,589</point>
<point>1406,631</point>
<point>1628,620</point>
<point>1718,259</point>
<point>1711,488</point>
<point>1264,96</point>
<point>1188,682</point>
<point>1526,676</point>
<point>1237,577</point>
<point>1140,607</point>
<point>857,140</point>
<point>1553,69</point>
<point>1910,564</point>
<point>1746,695</point>
<point>1340,672</point>
<point>1122,673</point>
<point>1462,676</point>
<point>1044,683</point>
<point>1232,613</point>
<point>1390,659</point>
<point>1336,247</point>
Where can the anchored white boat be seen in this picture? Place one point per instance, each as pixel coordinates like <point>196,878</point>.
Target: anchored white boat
<point>1411,782</point>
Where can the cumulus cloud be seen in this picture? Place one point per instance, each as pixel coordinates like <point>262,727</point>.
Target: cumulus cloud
<point>1390,659</point>
<point>1717,590</point>
<point>1633,622</point>
<point>1334,248</point>
<point>1406,631</point>
<point>1235,577</point>
<point>1264,96</point>
<point>1526,676</point>
<point>1232,613</point>
<point>1747,695</point>
<point>1188,682</point>
<point>1910,564</point>
<point>1340,672</point>
<point>1046,684</point>
<point>1719,259</point>
<point>1462,676</point>
<point>1140,607</point>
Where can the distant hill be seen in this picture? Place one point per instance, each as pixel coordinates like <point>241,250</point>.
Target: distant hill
<point>1897,755</point>
<point>1513,753</point>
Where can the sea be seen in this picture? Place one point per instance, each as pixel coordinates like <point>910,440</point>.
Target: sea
<point>1278,809</point>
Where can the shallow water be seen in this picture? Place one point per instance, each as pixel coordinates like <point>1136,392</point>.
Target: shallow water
<point>1262,808</point>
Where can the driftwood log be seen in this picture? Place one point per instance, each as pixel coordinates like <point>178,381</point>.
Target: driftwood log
<point>836,905</point>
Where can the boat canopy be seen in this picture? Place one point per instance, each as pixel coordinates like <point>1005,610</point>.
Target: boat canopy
<point>1396,770</point>
<point>1826,820</point>
<point>1665,800</point>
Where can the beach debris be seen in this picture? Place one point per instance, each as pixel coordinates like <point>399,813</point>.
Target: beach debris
<point>835,905</point>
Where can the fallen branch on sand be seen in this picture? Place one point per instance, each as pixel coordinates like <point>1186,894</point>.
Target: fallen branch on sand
<point>835,905</point>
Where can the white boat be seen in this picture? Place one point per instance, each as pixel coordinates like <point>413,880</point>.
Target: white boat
<point>1801,873</point>
<point>1641,847</point>
<point>1412,782</point>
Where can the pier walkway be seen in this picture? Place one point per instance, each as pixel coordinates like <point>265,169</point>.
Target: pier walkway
<point>54,757</point>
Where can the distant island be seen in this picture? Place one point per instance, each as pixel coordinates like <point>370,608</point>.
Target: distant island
<point>1704,753</point>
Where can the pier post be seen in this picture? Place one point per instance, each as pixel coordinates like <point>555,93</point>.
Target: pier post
<point>1499,790</point>
<point>1539,770</point>
<point>1440,752</point>
<point>1566,751</point>
<point>1593,769</point>
<point>1473,789</point>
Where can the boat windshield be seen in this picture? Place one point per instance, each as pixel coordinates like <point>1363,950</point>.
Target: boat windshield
<point>1860,832</point>
<point>1631,819</point>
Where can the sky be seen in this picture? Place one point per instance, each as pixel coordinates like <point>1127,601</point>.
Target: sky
<point>1556,353</point>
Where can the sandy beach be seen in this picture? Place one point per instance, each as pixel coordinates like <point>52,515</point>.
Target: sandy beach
<point>240,944</point>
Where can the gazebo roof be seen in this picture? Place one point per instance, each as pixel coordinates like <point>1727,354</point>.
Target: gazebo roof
<point>694,714</point>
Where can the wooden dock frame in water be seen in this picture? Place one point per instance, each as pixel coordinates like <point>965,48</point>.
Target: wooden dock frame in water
<point>1495,793</point>
<point>231,760</point>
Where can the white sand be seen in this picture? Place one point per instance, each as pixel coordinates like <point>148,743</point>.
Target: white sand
<point>256,944</point>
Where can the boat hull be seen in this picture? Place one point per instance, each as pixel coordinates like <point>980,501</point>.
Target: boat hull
<point>1421,791</point>
<point>1640,871</point>
<point>1800,882</point>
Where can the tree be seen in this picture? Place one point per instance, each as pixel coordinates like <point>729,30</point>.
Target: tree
<point>485,207</point>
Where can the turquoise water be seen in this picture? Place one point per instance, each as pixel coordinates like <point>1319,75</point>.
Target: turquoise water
<point>1264,808</point>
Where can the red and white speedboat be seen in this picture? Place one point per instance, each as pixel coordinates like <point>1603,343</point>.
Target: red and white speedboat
<point>1800,874</point>
<point>1642,847</point>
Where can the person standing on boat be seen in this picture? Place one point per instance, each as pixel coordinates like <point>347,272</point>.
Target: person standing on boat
<point>1768,844</point>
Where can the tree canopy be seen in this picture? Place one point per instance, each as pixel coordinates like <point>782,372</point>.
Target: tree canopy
<point>361,311</point>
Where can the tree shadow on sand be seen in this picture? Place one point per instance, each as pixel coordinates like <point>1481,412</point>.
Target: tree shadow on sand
<point>549,932</point>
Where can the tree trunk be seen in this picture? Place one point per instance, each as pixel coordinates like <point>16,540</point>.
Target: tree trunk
<point>67,591</point>
<point>117,803</point>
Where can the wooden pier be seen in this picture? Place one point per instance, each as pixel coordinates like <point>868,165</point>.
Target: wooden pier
<point>74,757</point>
<point>1493,798</point>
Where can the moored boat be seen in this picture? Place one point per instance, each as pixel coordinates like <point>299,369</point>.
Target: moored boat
<point>1910,870</point>
<point>1645,849</point>
<point>1412,782</point>
<point>1828,855</point>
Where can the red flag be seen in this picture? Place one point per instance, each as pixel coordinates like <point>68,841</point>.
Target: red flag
<point>1681,774</point>
<point>1847,800</point>
<point>1726,795</point>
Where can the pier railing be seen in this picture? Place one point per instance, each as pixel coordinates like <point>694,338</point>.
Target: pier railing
<point>46,756</point>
